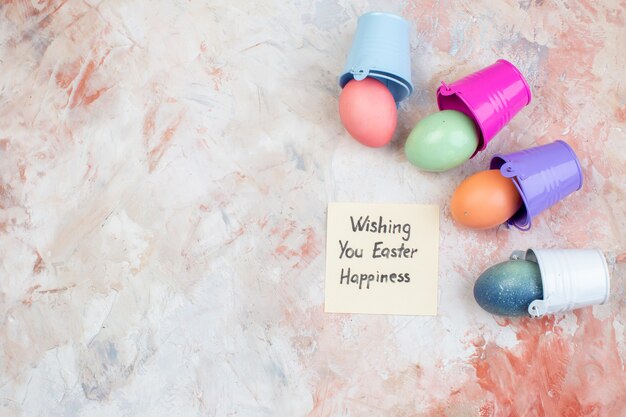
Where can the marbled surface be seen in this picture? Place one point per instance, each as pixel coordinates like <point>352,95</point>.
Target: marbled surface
<point>164,173</point>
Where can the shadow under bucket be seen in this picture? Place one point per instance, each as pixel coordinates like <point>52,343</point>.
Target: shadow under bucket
<point>543,175</point>
<point>491,97</point>
<point>571,279</point>
<point>380,49</point>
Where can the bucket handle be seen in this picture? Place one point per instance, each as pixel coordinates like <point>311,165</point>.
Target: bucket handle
<point>518,255</point>
<point>446,90</point>
<point>537,308</point>
<point>509,170</point>
<point>360,73</point>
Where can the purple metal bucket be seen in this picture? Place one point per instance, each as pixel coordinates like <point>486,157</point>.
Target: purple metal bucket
<point>543,175</point>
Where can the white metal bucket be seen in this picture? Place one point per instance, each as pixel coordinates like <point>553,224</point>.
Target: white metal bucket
<point>571,278</point>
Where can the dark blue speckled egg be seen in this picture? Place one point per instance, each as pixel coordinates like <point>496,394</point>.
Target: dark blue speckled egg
<point>508,288</point>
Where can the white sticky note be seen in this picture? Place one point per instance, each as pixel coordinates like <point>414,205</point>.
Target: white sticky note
<point>382,258</point>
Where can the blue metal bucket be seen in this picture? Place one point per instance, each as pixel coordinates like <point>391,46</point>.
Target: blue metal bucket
<point>380,49</point>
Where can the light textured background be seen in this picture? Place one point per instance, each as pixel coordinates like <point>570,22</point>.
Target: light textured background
<point>164,173</point>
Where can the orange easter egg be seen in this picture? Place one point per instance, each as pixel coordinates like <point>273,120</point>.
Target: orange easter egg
<point>484,200</point>
<point>368,112</point>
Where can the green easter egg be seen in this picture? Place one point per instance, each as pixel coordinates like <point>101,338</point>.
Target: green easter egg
<point>442,141</point>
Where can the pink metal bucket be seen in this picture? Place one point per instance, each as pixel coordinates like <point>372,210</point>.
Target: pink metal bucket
<point>491,97</point>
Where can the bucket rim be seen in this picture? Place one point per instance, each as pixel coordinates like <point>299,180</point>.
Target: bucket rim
<point>407,87</point>
<point>522,220</point>
<point>444,90</point>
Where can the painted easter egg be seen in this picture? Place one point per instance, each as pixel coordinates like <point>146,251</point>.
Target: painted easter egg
<point>484,200</point>
<point>368,112</point>
<point>442,141</point>
<point>508,288</point>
